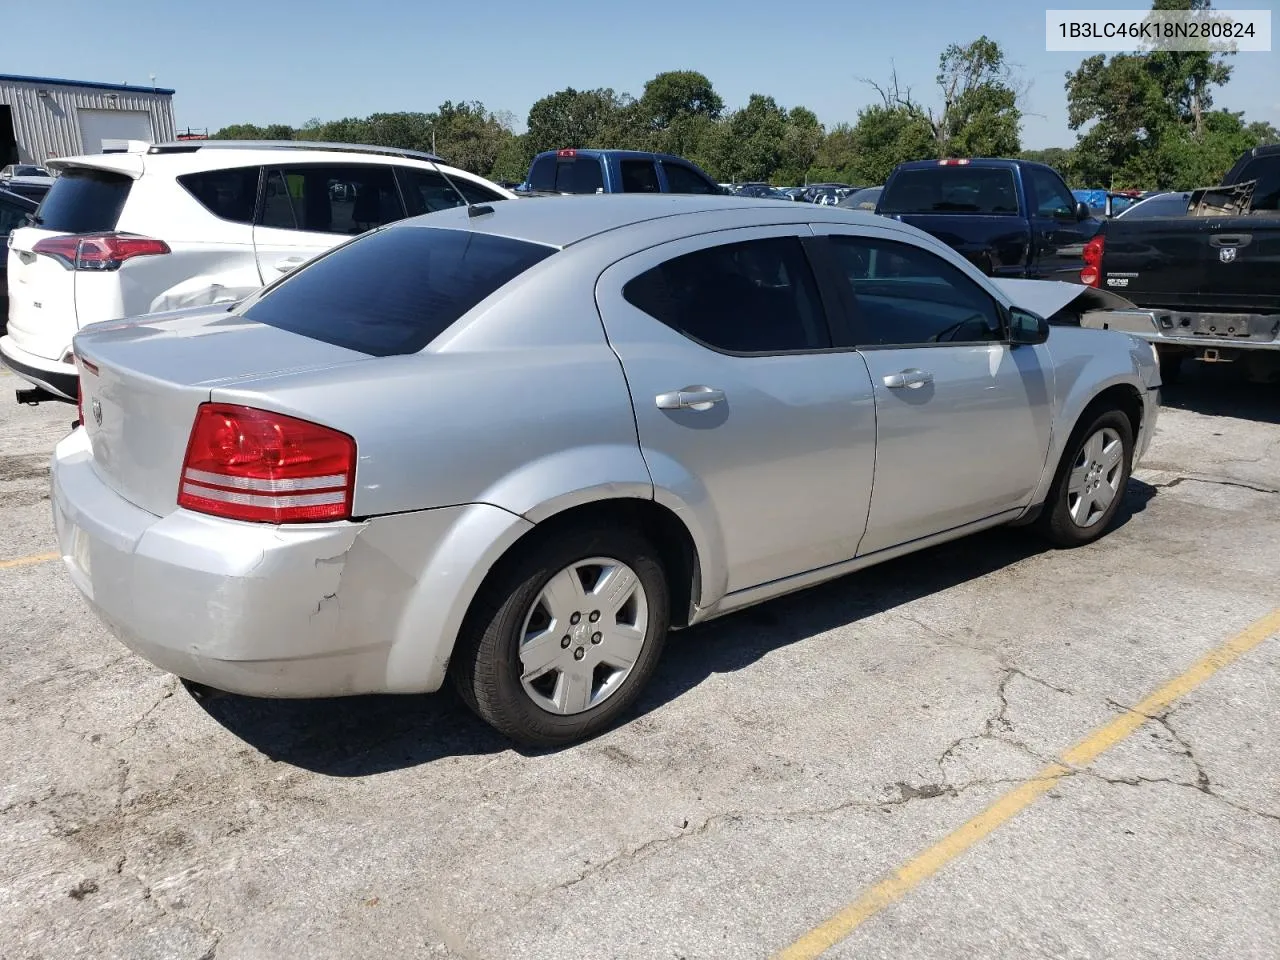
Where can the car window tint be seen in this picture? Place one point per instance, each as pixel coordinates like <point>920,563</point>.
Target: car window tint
<point>331,199</point>
<point>83,200</point>
<point>640,176</point>
<point>957,189</point>
<point>1162,205</point>
<point>229,194</point>
<point>682,179</point>
<point>394,291</point>
<point>757,296</point>
<point>579,175</point>
<point>905,295</point>
<point>427,191</point>
<point>1266,170</point>
<point>1052,198</point>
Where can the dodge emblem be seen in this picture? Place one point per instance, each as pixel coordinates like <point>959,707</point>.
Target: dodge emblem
<point>96,407</point>
<point>1227,254</point>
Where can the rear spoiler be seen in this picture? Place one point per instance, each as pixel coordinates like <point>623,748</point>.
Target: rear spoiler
<point>129,164</point>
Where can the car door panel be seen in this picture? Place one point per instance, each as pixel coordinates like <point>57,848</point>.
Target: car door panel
<point>965,445</point>
<point>1057,235</point>
<point>963,424</point>
<point>780,457</point>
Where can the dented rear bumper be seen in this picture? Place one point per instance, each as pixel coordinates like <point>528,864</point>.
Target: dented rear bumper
<point>304,610</point>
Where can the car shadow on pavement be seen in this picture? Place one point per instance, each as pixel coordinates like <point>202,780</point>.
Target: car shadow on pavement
<point>1222,390</point>
<point>361,736</point>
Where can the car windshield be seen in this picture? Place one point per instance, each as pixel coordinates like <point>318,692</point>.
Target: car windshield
<point>395,290</point>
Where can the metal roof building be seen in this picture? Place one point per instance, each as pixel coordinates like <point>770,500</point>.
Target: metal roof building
<point>41,117</point>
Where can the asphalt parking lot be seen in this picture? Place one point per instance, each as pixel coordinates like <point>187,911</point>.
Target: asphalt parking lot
<point>785,762</point>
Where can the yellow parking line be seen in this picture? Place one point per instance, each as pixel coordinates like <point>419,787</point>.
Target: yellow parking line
<point>28,561</point>
<point>888,891</point>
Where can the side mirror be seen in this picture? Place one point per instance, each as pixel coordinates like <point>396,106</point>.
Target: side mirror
<point>1082,211</point>
<point>1026,327</point>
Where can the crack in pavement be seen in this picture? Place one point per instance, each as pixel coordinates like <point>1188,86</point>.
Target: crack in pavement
<point>170,687</point>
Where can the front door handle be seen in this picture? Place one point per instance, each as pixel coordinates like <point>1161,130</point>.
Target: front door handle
<point>690,398</point>
<point>912,379</point>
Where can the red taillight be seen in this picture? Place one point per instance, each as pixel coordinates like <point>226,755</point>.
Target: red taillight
<point>566,153</point>
<point>248,464</point>
<point>952,163</point>
<point>99,251</point>
<point>80,402</point>
<point>1091,275</point>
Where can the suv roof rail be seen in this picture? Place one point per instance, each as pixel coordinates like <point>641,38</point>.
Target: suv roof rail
<point>191,146</point>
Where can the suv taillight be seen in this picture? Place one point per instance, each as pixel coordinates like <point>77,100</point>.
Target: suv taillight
<point>1091,275</point>
<point>99,251</point>
<point>248,464</point>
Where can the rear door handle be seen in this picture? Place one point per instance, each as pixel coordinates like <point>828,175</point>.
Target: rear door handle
<point>690,398</point>
<point>912,379</point>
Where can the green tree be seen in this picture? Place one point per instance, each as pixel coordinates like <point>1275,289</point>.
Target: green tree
<point>979,115</point>
<point>578,118</point>
<point>886,136</point>
<point>678,94</point>
<point>251,131</point>
<point>1147,119</point>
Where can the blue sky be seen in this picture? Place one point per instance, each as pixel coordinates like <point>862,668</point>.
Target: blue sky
<point>288,61</point>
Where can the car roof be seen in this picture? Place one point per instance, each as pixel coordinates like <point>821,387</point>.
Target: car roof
<point>608,152</point>
<point>563,221</point>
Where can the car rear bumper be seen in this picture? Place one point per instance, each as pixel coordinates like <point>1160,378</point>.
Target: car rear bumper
<point>306,610</point>
<point>56,377</point>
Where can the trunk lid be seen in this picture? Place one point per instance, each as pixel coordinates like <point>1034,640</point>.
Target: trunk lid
<point>142,380</point>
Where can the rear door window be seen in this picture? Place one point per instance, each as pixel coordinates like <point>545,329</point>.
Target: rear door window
<point>426,191</point>
<point>966,189</point>
<point>394,291</point>
<point>83,200</point>
<point>682,179</point>
<point>227,194</point>
<point>339,198</point>
<point>640,176</point>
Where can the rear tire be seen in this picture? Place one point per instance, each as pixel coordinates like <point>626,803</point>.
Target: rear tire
<point>563,636</point>
<point>1090,482</point>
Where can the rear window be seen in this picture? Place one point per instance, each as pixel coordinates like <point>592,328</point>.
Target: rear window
<point>951,190</point>
<point>580,175</point>
<point>394,291</point>
<point>84,201</point>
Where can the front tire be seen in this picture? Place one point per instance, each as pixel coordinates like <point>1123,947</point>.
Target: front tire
<point>563,637</point>
<point>1090,481</point>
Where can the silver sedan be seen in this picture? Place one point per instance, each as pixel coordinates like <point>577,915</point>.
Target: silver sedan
<point>514,445</point>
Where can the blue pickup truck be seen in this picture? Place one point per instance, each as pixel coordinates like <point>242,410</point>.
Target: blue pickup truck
<point>1010,218</point>
<point>614,171</point>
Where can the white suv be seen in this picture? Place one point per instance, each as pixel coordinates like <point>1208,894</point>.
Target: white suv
<point>192,223</point>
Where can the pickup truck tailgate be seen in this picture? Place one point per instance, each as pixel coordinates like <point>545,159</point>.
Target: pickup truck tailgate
<point>1195,263</point>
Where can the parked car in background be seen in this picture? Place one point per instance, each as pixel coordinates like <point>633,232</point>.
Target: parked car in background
<point>827,194</point>
<point>23,170</point>
<point>573,171</point>
<point>864,199</point>
<point>1205,283</point>
<point>1010,218</point>
<point>196,222</point>
<point>761,191</point>
<point>1106,203</point>
<point>1172,204</point>
<point>14,210</point>
<point>26,179</point>
<point>736,429</point>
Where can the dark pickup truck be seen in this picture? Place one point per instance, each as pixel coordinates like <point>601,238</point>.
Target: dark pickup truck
<point>1206,284</point>
<point>1010,218</point>
<point>614,171</point>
